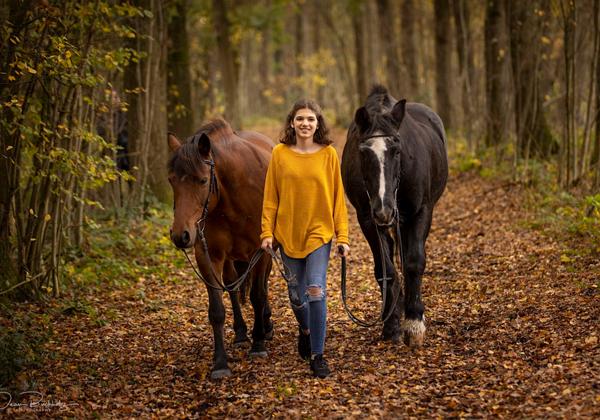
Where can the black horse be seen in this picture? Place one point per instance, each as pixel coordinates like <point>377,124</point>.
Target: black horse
<point>395,169</point>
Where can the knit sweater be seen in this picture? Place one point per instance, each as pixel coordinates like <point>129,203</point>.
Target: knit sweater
<point>304,205</point>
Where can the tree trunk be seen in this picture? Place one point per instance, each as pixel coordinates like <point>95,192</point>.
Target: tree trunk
<point>387,34</point>
<point>409,48</point>
<point>10,157</point>
<point>316,30</point>
<point>264,66</point>
<point>358,27</point>
<point>464,48</point>
<point>228,60</point>
<point>147,116</point>
<point>596,154</point>
<point>442,61</point>
<point>180,113</point>
<point>533,134</point>
<point>494,66</point>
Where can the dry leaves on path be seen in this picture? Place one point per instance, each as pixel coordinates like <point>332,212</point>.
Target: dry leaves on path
<point>512,331</point>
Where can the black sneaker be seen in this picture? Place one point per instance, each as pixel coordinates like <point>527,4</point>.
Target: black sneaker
<point>303,344</point>
<point>319,367</point>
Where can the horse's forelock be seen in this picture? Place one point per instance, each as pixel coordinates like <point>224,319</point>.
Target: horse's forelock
<point>380,124</point>
<point>186,160</point>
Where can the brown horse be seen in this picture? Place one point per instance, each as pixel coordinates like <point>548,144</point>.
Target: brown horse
<point>218,177</point>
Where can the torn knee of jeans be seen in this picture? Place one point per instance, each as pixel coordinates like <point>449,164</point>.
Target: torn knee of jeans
<point>315,293</point>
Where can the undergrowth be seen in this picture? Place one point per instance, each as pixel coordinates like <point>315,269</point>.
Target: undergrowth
<point>118,251</point>
<point>122,250</point>
<point>572,217</point>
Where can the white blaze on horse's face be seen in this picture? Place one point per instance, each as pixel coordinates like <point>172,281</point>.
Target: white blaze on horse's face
<point>379,147</point>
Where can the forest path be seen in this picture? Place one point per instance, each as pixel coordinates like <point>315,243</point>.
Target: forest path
<point>512,332</point>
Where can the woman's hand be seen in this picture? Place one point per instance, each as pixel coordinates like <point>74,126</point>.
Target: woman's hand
<point>342,250</point>
<point>267,243</point>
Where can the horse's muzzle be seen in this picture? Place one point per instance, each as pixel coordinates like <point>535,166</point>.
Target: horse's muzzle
<point>383,217</point>
<point>182,241</point>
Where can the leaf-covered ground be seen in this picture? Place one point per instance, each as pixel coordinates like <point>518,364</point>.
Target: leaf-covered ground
<point>513,331</point>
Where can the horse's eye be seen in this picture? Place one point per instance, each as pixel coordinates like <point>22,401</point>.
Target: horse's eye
<point>203,181</point>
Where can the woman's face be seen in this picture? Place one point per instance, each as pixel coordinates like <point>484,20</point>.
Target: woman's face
<point>305,124</point>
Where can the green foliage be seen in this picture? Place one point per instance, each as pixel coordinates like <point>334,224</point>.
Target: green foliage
<point>57,92</point>
<point>572,218</point>
<point>121,251</point>
<point>20,345</point>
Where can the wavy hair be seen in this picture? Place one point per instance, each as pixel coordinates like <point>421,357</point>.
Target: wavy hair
<point>288,135</point>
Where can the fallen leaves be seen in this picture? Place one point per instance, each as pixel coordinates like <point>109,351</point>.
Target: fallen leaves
<point>510,332</point>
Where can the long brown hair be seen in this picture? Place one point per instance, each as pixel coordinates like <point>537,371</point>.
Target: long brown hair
<point>288,135</point>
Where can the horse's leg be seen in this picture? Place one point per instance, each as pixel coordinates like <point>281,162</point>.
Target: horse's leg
<point>216,314</point>
<point>414,235</point>
<point>239,325</point>
<point>268,324</point>
<point>258,298</point>
<point>391,328</point>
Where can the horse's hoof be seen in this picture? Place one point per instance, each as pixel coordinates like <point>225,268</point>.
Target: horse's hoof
<point>414,332</point>
<point>220,373</point>
<point>258,350</point>
<point>241,342</point>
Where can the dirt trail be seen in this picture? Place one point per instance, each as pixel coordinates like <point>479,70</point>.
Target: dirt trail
<point>512,331</point>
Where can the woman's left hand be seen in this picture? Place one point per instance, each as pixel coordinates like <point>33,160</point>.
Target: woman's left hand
<point>342,250</point>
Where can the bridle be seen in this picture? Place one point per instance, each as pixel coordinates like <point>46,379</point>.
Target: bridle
<point>201,225</point>
<point>383,252</point>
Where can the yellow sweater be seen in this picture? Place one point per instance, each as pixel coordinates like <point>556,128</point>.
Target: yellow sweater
<point>304,202</point>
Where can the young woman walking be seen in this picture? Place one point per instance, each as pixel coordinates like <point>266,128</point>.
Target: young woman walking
<point>303,208</point>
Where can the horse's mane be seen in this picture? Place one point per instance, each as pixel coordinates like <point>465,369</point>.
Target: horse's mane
<point>378,104</point>
<point>186,161</point>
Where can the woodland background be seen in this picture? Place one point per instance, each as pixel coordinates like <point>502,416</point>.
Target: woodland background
<point>516,83</point>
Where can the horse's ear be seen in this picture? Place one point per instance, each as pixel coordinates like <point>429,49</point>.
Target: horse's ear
<point>361,118</point>
<point>204,144</point>
<point>173,141</point>
<point>398,111</point>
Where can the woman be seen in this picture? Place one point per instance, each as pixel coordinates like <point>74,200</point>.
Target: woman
<point>303,208</point>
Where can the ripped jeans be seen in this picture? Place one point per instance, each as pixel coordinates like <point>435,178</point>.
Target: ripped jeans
<point>308,293</point>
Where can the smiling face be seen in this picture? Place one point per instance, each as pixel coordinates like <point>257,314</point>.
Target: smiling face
<point>305,124</point>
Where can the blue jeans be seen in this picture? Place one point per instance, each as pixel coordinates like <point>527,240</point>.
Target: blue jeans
<point>308,293</point>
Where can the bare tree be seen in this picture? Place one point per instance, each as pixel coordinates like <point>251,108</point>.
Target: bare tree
<point>389,42</point>
<point>526,30</point>
<point>442,60</point>
<point>495,63</point>
<point>180,115</point>
<point>228,60</point>
<point>466,64</point>
<point>358,25</point>
<point>409,47</point>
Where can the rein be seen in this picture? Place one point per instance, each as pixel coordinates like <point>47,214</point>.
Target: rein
<point>384,280</point>
<point>383,317</point>
<point>201,225</point>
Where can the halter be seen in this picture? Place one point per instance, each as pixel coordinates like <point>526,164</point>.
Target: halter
<point>384,280</point>
<point>201,225</point>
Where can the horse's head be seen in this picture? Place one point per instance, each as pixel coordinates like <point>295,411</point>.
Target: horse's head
<point>379,150</point>
<point>191,174</point>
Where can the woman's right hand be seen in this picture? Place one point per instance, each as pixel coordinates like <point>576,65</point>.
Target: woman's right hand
<point>267,243</point>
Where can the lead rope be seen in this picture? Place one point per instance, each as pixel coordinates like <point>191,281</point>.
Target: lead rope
<point>384,279</point>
